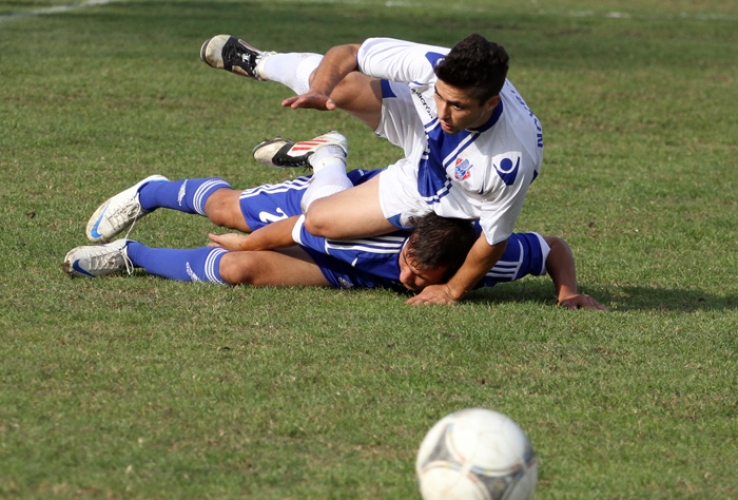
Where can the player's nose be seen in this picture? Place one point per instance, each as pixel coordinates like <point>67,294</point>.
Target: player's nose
<point>406,278</point>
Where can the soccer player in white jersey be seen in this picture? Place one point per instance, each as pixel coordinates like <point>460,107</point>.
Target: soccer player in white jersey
<point>471,144</point>
<point>400,261</point>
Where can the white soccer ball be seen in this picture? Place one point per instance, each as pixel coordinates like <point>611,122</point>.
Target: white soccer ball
<point>476,454</point>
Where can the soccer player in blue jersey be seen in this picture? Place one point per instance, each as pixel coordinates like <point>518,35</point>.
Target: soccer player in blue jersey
<point>471,144</point>
<point>401,260</point>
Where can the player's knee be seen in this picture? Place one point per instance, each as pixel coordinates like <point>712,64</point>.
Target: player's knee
<point>237,269</point>
<point>220,208</point>
<point>318,224</point>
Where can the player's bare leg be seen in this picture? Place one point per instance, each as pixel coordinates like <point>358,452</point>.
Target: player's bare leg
<point>351,213</point>
<point>223,208</point>
<point>356,94</point>
<point>284,267</point>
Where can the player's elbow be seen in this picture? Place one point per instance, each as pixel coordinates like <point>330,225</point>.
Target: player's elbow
<point>556,246</point>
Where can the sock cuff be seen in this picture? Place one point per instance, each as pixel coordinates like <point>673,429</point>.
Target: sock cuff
<point>330,154</point>
<point>212,266</point>
<point>202,193</point>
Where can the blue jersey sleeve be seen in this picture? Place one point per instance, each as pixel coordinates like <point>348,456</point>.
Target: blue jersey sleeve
<point>378,255</point>
<point>525,255</point>
<point>358,263</point>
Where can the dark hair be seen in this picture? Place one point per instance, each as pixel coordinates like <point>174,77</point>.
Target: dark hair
<point>477,65</point>
<point>438,242</point>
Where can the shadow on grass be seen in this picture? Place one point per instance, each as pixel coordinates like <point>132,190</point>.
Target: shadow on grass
<point>617,299</point>
<point>620,298</point>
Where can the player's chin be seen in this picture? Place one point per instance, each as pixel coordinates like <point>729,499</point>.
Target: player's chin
<point>449,128</point>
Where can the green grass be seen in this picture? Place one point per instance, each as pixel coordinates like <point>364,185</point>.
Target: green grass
<point>136,387</point>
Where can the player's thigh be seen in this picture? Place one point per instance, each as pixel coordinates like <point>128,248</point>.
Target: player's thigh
<point>285,267</point>
<point>223,208</point>
<point>352,213</point>
<point>361,96</point>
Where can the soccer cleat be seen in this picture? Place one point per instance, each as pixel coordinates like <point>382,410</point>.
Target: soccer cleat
<point>118,212</point>
<point>280,152</point>
<point>94,261</point>
<point>231,54</point>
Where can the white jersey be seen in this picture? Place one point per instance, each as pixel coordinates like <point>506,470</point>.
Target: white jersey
<point>475,174</point>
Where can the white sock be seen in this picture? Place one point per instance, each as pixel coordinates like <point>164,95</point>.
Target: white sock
<point>329,175</point>
<point>292,70</point>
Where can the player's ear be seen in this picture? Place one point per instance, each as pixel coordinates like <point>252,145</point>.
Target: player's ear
<point>492,102</point>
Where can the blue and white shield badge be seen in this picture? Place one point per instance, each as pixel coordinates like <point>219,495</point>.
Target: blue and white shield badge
<point>507,166</point>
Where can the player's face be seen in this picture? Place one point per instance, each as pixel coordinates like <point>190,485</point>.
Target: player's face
<point>415,279</point>
<point>458,111</point>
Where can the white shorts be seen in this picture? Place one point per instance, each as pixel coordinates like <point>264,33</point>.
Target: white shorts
<point>398,184</point>
<point>398,195</point>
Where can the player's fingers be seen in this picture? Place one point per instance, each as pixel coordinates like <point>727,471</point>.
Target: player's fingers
<point>600,307</point>
<point>300,102</point>
<point>418,300</point>
<point>309,103</point>
<point>590,303</point>
<point>288,102</point>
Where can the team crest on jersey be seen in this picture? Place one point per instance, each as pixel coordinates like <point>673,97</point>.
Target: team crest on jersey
<point>507,166</point>
<point>462,169</point>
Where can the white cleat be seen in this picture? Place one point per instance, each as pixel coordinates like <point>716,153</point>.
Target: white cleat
<point>94,261</point>
<point>232,54</point>
<point>118,213</point>
<point>281,153</point>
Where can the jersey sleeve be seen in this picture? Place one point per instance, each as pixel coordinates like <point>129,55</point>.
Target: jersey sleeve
<point>526,254</point>
<point>399,60</point>
<point>377,255</point>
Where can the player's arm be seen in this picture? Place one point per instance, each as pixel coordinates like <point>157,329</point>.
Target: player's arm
<point>481,258</point>
<point>560,266</point>
<point>275,235</point>
<point>337,63</point>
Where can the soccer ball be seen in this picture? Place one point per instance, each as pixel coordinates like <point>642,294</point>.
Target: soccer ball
<point>476,454</point>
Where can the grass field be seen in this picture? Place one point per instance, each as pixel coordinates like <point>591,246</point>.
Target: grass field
<point>138,387</point>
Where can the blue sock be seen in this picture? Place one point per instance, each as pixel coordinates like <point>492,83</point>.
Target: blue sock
<point>199,264</point>
<point>185,195</point>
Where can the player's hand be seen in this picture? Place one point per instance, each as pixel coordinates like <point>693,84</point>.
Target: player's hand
<point>310,100</point>
<point>433,294</point>
<point>581,301</point>
<point>228,241</point>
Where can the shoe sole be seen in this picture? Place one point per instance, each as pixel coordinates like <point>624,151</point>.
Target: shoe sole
<point>265,151</point>
<point>209,48</point>
<point>211,53</point>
